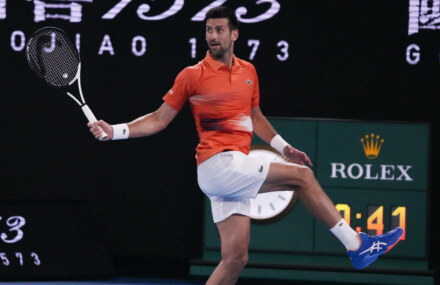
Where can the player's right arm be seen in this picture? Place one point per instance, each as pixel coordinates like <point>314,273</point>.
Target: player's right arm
<point>152,123</point>
<point>146,125</point>
<point>158,120</point>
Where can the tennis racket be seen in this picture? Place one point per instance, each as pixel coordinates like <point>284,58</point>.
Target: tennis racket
<point>54,59</point>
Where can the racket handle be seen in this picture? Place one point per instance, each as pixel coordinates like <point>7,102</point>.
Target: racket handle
<point>92,119</point>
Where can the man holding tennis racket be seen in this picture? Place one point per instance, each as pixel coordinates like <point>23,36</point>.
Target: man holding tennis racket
<point>223,93</point>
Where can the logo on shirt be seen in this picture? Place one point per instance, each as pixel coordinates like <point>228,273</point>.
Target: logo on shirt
<point>248,81</point>
<point>171,91</point>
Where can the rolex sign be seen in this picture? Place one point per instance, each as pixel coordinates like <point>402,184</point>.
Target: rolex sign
<point>372,155</point>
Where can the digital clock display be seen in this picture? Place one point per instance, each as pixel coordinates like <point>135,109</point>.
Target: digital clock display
<point>376,211</point>
<point>375,218</point>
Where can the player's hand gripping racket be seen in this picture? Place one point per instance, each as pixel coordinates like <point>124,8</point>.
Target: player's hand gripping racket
<point>54,59</point>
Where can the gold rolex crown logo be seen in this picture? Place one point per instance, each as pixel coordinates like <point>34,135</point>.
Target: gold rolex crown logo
<point>372,144</point>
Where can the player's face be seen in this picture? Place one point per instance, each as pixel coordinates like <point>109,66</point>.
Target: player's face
<point>219,37</point>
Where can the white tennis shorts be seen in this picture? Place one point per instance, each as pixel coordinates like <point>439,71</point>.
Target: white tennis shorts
<point>230,179</point>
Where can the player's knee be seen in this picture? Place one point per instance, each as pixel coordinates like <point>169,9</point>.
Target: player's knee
<point>306,176</point>
<point>235,258</point>
<point>236,262</point>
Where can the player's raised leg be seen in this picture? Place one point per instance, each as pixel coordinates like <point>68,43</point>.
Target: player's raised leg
<point>234,235</point>
<point>291,176</point>
<point>362,249</point>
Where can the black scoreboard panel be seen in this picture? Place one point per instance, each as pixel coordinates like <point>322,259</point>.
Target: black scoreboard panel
<point>50,240</point>
<point>325,50</point>
<point>368,60</point>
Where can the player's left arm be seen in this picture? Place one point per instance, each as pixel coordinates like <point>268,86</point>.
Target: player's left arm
<point>264,129</point>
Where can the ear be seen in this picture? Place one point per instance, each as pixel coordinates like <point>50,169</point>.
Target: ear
<point>234,35</point>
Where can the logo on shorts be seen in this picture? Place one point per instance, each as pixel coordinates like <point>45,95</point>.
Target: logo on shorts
<point>260,169</point>
<point>248,81</point>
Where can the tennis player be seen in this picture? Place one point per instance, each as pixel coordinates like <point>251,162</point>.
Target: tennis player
<point>223,93</point>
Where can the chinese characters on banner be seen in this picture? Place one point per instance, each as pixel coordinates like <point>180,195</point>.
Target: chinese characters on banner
<point>2,9</point>
<point>72,10</point>
<point>69,10</point>
<point>423,14</point>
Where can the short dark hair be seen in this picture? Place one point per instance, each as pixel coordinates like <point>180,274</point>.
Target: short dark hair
<point>223,12</point>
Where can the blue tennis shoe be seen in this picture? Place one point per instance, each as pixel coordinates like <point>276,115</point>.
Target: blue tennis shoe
<point>373,246</point>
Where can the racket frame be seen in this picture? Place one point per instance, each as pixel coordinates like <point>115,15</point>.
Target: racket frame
<point>80,101</point>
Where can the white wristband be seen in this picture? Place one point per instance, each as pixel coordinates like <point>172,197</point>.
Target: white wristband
<point>120,132</point>
<point>278,143</point>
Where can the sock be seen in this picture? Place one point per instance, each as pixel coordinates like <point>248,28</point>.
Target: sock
<point>346,235</point>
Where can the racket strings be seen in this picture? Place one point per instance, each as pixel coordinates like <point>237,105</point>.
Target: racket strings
<point>53,57</point>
